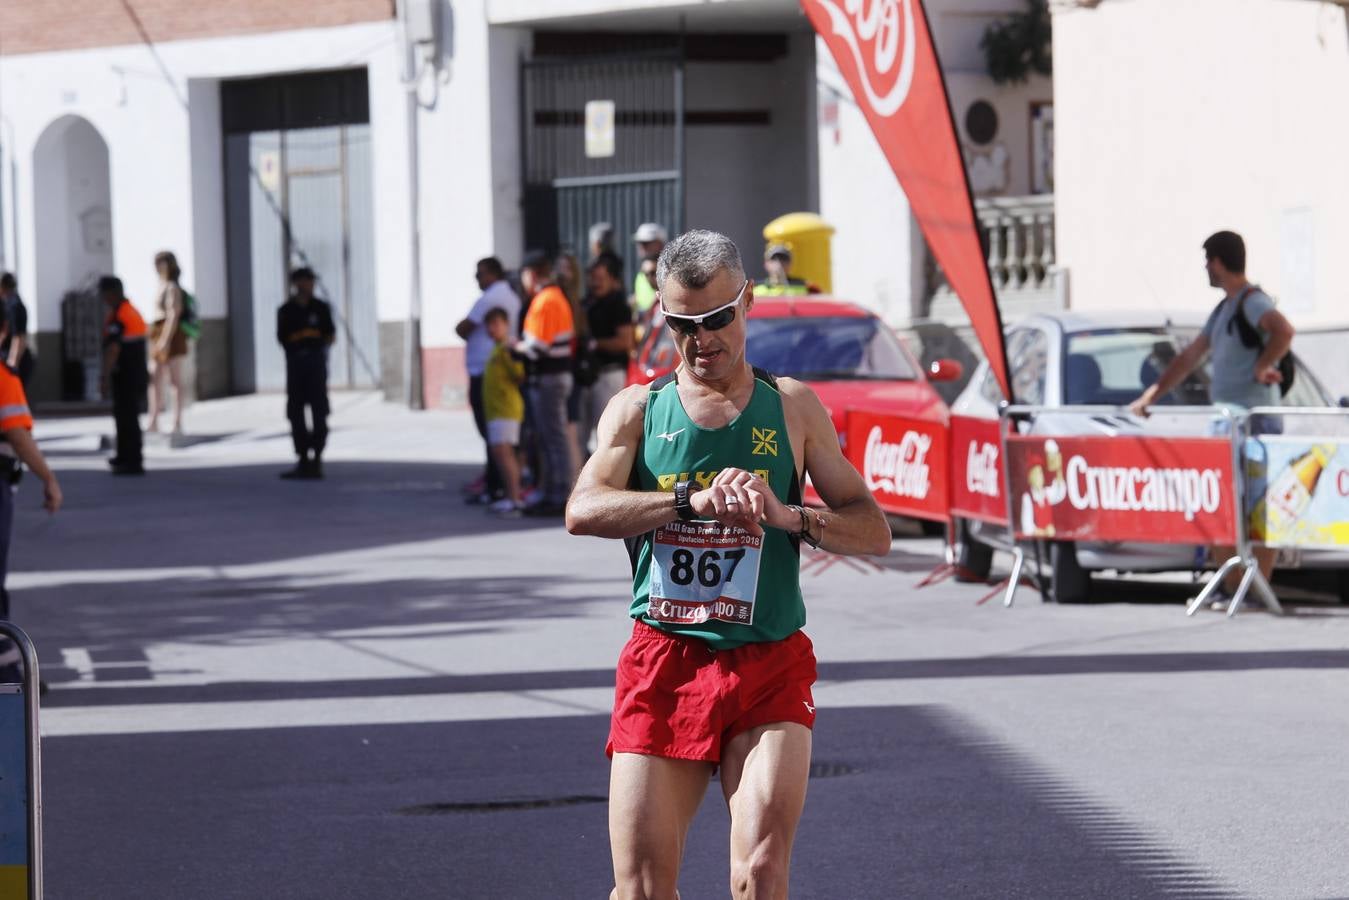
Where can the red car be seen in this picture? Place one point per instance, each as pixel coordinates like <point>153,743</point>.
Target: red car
<point>851,359</point>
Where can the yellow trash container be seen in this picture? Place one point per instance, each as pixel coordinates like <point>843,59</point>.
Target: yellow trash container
<point>807,236</point>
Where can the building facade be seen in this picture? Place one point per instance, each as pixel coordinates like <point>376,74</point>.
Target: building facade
<point>1230,116</point>
<point>389,146</point>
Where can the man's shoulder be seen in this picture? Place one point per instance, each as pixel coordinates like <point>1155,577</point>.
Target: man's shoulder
<point>798,397</point>
<point>500,293</point>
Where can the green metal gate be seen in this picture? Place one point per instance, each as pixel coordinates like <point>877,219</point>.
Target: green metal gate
<point>641,180</point>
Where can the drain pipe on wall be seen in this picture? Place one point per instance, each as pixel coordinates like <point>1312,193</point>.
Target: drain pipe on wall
<point>419,21</point>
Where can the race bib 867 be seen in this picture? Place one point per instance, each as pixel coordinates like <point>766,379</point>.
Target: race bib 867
<point>704,571</point>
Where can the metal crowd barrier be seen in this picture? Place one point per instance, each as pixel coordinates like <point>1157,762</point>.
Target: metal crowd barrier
<point>1235,434</point>
<point>33,763</point>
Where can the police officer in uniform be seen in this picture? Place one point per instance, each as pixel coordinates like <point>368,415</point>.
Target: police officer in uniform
<point>778,281</point>
<point>17,449</point>
<point>125,375</point>
<point>304,326</point>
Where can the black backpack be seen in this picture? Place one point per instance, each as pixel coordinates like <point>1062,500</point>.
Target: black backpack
<point>1250,337</point>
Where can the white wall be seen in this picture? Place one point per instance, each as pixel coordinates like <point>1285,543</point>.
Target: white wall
<point>463,183</point>
<point>1233,115</point>
<point>163,139</point>
<point>874,258</point>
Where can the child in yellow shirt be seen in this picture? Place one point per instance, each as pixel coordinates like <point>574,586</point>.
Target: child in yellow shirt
<point>504,406</point>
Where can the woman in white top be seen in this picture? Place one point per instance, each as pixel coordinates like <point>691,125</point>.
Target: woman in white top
<point>168,342</point>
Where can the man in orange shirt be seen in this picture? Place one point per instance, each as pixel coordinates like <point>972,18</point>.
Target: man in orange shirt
<point>124,374</point>
<point>17,448</point>
<point>547,342</point>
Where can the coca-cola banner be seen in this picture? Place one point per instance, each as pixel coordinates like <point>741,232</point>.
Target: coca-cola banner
<point>884,51</point>
<point>1299,491</point>
<point>903,461</point>
<point>1152,489</point>
<point>977,481</point>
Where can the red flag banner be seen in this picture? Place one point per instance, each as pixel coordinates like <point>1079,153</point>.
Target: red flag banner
<point>884,50</point>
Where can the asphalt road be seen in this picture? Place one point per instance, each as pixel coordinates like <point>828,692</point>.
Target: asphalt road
<point>362,688</point>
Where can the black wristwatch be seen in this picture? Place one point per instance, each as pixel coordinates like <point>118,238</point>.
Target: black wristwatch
<point>682,505</point>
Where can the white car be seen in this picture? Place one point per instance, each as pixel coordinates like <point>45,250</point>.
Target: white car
<point>1067,359</point>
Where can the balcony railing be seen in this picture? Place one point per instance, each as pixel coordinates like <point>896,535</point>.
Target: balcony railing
<point>1018,233</point>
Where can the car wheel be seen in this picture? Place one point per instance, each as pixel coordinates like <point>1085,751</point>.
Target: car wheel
<point>973,560</point>
<point>1070,583</point>
<point>932,529</point>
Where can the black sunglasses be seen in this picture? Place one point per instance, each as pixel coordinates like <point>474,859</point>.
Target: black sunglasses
<point>715,320</point>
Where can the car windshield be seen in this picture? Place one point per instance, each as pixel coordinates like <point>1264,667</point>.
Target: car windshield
<point>1113,366</point>
<point>821,348</point>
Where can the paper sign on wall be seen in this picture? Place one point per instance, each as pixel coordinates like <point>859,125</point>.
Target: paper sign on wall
<point>599,129</point>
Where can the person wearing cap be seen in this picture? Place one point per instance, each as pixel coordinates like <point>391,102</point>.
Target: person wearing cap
<point>601,240</point>
<point>125,376</point>
<point>304,326</point>
<point>548,342</point>
<point>17,449</point>
<point>777,263</point>
<point>650,239</point>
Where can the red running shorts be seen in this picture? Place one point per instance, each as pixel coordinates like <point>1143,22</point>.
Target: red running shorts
<point>677,697</point>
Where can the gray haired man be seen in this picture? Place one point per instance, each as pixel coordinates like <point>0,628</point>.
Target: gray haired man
<point>701,474</point>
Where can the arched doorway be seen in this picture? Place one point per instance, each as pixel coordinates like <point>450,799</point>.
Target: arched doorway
<point>72,201</point>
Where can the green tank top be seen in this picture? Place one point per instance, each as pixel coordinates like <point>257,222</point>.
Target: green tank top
<point>706,580</point>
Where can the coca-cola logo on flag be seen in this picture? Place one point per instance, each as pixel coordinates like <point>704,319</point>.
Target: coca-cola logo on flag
<point>901,469</point>
<point>880,36</point>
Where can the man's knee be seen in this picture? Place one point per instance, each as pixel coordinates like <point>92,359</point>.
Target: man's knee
<point>763,872</point>
<point>616,894</point>
<point>646,879</point>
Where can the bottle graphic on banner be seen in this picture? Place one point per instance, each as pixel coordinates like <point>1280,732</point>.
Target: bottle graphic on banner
<point>1289,495</point>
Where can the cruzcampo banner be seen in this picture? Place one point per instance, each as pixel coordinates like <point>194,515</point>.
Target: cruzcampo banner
<point>13,795</point>
<point>1124,488</point>
<point>884,50</point>
<point>1299,488</point>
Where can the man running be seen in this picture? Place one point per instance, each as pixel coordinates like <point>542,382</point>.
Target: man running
<point>700,474</point>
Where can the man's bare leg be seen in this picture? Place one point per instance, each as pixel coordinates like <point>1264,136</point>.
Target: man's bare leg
<point>763,775</point>
<point>652,802</point>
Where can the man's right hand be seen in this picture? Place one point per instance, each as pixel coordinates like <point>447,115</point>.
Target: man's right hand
<point>1140,406</point>
<point>733,500</point>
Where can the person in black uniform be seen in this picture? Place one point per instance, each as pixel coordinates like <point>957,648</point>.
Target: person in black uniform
<point>125,376</point>
<point>304,326</point>
<point>14,349</point>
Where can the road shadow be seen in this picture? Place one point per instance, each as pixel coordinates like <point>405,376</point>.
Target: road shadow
<point>240,515</point>
<point>118,626</point>
<point>829,672</point>
<point>909,802</point>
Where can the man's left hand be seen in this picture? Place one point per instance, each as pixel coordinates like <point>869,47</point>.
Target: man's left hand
<point>1268,375</point>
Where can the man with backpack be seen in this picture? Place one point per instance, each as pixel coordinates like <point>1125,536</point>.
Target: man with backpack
<point>1252,365</point>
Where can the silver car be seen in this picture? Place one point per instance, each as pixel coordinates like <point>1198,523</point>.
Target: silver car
<point>1066,359</point>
